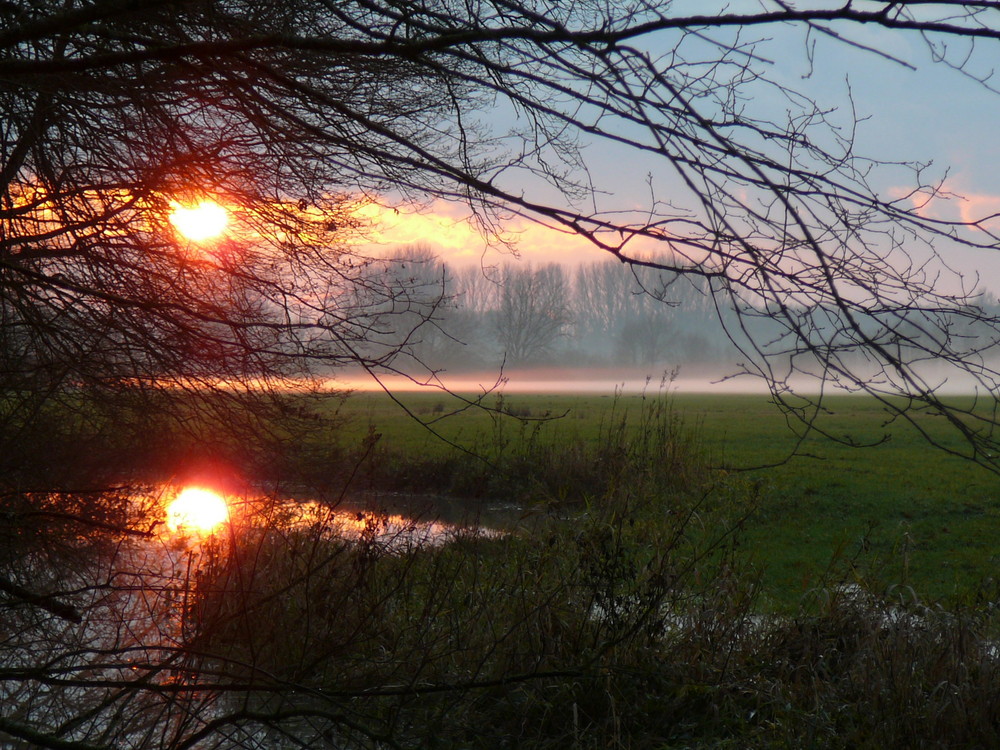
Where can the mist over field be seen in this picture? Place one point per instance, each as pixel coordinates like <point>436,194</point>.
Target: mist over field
<point>696,378</point>
<point>691,378</point>
<point>602,327</point>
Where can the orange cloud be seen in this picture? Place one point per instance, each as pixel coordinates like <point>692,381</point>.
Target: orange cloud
<point>441,227</point>
<point>449,230</point>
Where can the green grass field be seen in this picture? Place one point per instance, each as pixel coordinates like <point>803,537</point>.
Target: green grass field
<point>910,514</point>
<point>901,513</point>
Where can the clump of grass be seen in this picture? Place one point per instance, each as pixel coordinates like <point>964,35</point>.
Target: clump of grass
<point>865,672</point>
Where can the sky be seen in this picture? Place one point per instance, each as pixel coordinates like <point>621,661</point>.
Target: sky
<point>931,114</point>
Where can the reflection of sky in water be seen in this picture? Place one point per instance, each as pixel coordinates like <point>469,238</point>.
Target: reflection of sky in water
<point>140,611</point>
<point>387,529</point>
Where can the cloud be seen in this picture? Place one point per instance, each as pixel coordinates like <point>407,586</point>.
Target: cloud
<point>441,227</point>
<point>979,210</point>
<point>450,230</point>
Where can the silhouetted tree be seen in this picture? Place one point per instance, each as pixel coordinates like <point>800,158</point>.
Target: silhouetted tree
<point>531,311</point>
<point>291,113</point>
<point>435,330</point>
<point>643,316</point>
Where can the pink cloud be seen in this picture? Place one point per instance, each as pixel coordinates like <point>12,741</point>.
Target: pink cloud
<point>981,208</point>
<point>954,203</point>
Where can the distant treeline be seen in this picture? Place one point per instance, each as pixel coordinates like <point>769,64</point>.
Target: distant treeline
<point>523,314</point>
<point>608,314</point>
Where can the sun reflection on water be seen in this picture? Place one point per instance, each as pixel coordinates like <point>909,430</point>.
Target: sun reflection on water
<point>196,513</point>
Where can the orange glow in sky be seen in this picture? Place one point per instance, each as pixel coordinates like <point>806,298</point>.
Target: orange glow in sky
<point>445,228</point>
<point>197,510</point>
<point>204,221</point>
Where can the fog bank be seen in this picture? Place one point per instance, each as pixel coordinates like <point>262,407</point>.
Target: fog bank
<point>695,379</point>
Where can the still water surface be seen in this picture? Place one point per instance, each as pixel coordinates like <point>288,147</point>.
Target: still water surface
<point>391,519</point>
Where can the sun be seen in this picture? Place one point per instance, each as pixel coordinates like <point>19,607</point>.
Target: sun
<point>204,221</point>
<point>198,510</point>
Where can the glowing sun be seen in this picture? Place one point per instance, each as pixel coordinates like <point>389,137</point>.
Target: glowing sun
<point>200,222</point>
<point>197,509</point>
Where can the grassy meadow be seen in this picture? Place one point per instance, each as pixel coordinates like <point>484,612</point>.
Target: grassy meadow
<point>901,514</point>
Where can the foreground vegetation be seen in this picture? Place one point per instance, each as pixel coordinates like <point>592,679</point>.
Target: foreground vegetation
<point>642,593</point>
<point>629,604</point>
<point>635,626</point>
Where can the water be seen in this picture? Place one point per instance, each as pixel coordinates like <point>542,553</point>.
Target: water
<point>128,671</point>
<point>390,519</point>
